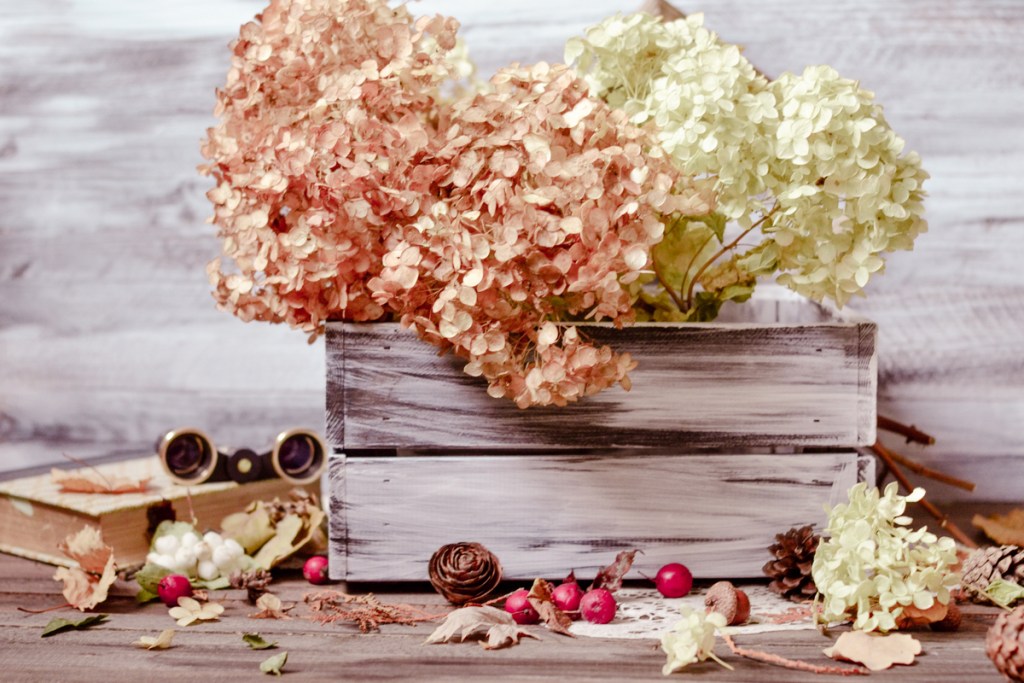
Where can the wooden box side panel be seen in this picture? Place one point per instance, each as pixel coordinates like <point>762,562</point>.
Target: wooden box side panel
<point>695,387</point>
<point>546,515</point>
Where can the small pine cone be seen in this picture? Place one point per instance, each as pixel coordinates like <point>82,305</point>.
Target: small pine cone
<point>985,565</point>
<point>464,572</point>
<point>254,581</point>
<point>790,571</point>
<point>1004,644</point>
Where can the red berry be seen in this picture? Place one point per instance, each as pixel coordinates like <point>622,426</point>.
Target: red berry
<point>172,587</point>
<point>315,570</point>
<point>598,606</point>
<point>520,608</point>
<point>674,580</point>
<point>567,596</point>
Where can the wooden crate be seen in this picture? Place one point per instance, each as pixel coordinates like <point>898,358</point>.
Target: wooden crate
<point>546,515</point>
<point>718,385</point>
<point>706,458</point>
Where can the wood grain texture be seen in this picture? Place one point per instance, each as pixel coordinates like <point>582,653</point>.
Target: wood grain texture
<point>695,386</point>
<point>215,651</point>
<point>546,515</point>
<point>103,298</point>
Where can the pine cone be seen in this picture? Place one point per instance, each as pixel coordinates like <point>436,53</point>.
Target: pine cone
<point>985,565</point>
<point>464,572</point>
<point>790,571</point>
<point>1004,644</point>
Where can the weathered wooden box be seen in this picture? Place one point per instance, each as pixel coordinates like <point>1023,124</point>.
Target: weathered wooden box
<point>733,431</point>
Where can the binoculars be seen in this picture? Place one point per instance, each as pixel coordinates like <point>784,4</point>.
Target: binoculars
<point>190,457</point>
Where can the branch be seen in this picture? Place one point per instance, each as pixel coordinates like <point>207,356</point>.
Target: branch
<point>912,433</point>
<point>918,468</point>
<point>886,455</point>
<point>791,663</point>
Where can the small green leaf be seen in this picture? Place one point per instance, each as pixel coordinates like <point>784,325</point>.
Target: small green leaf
<point>148,579</point>
<point>1004,593</point>
<point>274,664</point>
<point>58,624</point>
<point>256,642</point>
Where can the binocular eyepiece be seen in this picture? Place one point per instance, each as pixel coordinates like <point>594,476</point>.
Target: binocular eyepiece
<point>189,457</point>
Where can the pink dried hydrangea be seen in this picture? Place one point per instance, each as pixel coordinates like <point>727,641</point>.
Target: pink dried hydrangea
<point>549,204</point>
<point>327,114</point>
<point>347,190</point>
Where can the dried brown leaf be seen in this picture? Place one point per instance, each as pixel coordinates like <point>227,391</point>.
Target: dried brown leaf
<point>540,597</point>
<point>1005,529</point>
<point>875,651</point>
<point>610,578</point>
<point>86,585</point>
<point>92,481</point>
<point>495,627</point>
<point>912,616</point>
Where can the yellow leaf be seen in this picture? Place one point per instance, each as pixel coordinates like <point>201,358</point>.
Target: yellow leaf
<point>86,585</point>
<point>876,652</point>
<point>1005,529</point>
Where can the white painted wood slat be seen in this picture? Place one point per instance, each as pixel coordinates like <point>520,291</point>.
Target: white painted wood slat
<point>544,515</point>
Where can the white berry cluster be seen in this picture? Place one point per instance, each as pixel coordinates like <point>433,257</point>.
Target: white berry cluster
<point>208,557</point>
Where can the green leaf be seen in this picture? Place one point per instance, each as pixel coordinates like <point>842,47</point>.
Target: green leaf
<point>148,579</point>
<point>273,665</point>
<point>59,624</point>
<point>251,529</point>
<point>1004,593</point>
<point>256,642</point>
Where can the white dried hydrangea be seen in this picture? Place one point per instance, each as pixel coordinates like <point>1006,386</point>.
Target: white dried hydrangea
<point>692,640</point>
<point>808,159</point>
<point>873,565</point>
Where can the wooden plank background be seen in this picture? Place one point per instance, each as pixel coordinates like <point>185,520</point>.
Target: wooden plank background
<point>108,335</point>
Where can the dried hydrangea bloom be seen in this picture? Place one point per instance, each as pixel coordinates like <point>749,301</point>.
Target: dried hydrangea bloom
<point>808,159</point>
<point>548,207</point>
<point>328,109</point>
<point>873,565</point>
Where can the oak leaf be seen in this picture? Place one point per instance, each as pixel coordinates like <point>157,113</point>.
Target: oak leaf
<point>92,481</point>
<point>1005,529</point>
<point>494,627</point>
<point>610,578</point>
<point>160,642</point>
<point>876,652</point>
<point>87,584</point>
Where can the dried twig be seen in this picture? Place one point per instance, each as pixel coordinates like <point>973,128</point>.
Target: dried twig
<point>918,468</point>
<point>886,455</point>
<point>910,432</point>
<point>791,663</point>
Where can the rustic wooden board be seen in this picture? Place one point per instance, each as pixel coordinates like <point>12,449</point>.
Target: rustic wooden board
<point>546,515</point>
<point>696,386</point>
<point>339,652</point>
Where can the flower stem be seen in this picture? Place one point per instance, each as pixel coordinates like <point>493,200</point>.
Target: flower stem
<point>721,252</point>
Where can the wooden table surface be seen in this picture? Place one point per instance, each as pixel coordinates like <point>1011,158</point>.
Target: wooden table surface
<point>339,652</point>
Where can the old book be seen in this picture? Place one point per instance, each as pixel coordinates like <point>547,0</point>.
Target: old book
<point>35,516</point>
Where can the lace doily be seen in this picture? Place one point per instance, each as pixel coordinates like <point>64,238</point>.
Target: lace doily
<point>644,613</point>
